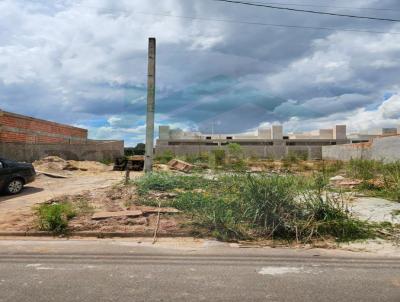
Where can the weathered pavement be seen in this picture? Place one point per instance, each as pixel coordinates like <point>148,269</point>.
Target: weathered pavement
<point>121,270</point>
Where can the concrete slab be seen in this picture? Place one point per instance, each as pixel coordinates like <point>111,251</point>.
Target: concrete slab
<point>376,209</point>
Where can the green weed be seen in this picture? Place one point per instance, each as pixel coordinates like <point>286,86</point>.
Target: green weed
<point>243,206</point>
<point>166,157</point>
<point>54,217</point>
<point>167,182</point>
<point>363,169</point>
<point>391,178</point>
<point>217,158</point>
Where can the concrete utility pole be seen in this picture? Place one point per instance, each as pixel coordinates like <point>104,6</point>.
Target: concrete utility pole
<point>151,91</point>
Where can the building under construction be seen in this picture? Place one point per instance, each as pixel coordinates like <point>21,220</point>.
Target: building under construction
<point>25,138</point>
<point>266,143</point>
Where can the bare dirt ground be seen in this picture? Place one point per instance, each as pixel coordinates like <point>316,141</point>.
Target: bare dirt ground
<point>95,192</point>
<point>15,209</point>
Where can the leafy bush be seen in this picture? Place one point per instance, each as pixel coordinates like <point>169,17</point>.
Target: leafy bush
<point>54,217</point>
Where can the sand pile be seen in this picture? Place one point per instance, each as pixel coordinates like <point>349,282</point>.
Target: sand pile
<point>57,164</point>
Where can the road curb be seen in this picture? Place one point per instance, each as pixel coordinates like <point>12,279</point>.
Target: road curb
<point>96,234</point>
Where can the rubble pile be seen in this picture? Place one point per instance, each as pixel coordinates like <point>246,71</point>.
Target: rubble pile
<point>58,164</point>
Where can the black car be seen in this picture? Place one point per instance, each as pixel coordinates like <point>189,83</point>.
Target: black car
<point>14,175</point>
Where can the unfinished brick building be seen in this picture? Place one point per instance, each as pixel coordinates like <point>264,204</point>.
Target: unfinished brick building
<point>25,138</point>
<point>15,128</point>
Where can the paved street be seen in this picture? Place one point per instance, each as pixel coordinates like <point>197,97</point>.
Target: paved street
<point>124,270</point>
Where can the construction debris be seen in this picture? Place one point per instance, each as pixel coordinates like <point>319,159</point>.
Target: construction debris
<point>256,169</point>
<point>131,163</point>
<point>134,213</point>
<point>54,164</point>
<point>152,210</point>
<point>340,181</point>
<point>351,183</point>
<point>180,165</point>
<point>161,167</point>
<point>54,175</point>
<point>105,215</point>
<point>337,178</point>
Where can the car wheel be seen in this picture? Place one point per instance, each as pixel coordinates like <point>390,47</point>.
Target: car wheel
<point>15,186</point>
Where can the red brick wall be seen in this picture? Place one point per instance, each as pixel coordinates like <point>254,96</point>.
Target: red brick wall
<point>24,129</point>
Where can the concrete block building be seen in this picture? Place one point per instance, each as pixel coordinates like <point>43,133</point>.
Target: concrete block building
<point>267,143</point>
<point>25,138</point>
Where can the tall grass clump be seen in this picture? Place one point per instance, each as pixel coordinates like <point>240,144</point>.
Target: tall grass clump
<point>285,207</point>
<point>363,169</point>
<point>214,215</point>
<point>217,158</point>
<point>235,157</point>
<point>267,202</point>
<point>329,168</point>
<point>54,217</point>
<point>391,179</point>
<point>378,178</point>
<point>329,216</point>
<point>247,206</point>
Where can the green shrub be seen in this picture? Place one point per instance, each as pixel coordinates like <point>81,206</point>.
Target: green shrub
<point>217,158</point>
<point>54,217</point>
<point>166,157</point>
<point>167,181</point>
<point>235,150</point>
<point>197,159</point>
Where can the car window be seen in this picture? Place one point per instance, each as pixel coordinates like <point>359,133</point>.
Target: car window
<point>8,163</point>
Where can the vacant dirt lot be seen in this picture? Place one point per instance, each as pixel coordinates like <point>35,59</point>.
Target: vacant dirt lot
<point>15,209</point>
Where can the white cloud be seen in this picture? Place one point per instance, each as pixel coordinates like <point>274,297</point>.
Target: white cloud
<point>341,61</point>
<point>76,61</point>
<point>359,120</point>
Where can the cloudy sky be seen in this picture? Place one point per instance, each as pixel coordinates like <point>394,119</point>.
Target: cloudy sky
<point>84,62</point>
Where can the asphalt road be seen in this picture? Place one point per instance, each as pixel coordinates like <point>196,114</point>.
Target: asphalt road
<point>125,271</point>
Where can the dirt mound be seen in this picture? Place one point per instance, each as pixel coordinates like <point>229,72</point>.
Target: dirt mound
<point>57,164</point>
